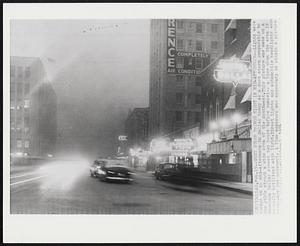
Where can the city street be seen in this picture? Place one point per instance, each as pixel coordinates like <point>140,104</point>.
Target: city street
<point>65,187</point>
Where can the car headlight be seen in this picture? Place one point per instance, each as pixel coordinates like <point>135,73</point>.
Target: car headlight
<point>110,172</point>
<point>99,171</point>
<point>131,173</point>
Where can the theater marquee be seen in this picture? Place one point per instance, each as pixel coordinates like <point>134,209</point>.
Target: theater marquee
<point>183,62</point>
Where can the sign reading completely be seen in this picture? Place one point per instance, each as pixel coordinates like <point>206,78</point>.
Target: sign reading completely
<point>183,62</point>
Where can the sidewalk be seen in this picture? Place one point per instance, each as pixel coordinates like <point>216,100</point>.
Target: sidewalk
<point>236,186</point>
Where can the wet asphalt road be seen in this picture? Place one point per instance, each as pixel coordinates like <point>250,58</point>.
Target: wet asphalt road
<point>65,187</point>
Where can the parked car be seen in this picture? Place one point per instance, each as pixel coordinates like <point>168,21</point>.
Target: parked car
<point>115,172</point>
<point>96,165</point>
<point>165,171</point>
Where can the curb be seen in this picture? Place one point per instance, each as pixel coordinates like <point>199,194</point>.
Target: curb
<point>229,188</point>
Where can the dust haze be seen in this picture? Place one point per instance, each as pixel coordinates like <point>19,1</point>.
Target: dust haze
<point>99,70</point>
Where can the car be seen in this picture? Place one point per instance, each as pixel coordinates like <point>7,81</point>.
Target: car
<point>96,165</point>
<point>115,172</point>
<point>165,171</point>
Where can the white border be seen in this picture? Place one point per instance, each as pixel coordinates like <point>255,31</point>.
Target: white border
<point>159,228</point>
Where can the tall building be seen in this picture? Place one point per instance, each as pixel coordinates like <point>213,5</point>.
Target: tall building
<point>32,108</point>
<point>179,51</point>
<point>136,128</point>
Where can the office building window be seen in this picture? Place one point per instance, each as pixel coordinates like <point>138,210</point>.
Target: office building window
<point>190,61</point>
<point>214,27</point>
<point>26,144</point>
<point>27,88</point>
<point>214,44</point>
<point>211,112</point>
<point>189,43</point>
<point>180,62</point>
<point>197,116</point>
<point>199,28</point>
<point>12,71</point>
<point>178,116</point>
<point>179,78</point>
<point>179,97</point>
<point>189,116</point>
<point>20,72</point>
<point>198,63</point>
<point>217,109</point>
<point>189,96</point>
<point>199,45</point>
<point>179,24</point>
<point>205,117</point>
<point>180,44</point>
<point>26,103</point>
<point>197,99</point>
<point>27,72</point>
<point>198,81</point>
<point>19,91</point>
<point>19,143</point>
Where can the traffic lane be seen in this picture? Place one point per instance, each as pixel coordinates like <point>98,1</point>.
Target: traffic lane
<point>146,196</point>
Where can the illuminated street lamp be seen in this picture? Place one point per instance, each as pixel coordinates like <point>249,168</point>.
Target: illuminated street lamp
<point>236,118</point>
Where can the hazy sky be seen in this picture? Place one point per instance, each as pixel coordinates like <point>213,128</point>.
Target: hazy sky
<point>99,69</point>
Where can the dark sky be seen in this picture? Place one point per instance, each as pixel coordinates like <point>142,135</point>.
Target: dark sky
<point>98,68</point>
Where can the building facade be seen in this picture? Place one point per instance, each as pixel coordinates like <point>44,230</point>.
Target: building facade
<point>32,108</point>
<point>179,51</point>
<point>136,128</point>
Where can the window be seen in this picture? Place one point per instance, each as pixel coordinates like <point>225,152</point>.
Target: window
<point>27,88</point>
<point>179,24</point>
<point>199,28</point>
<point>197,117</point>
<point>189,43</point>
<point>180,62</point>
<point>179,78</point>
<point>26,103</point>
<point>197,99</point>
<point>180,44</point>
<point>217,109</point>
<point>190,61</point>
<point>19,143</point>
<point>178,116</point>
<point>210,112</point>
<point>26,144</point>
<point>214,27</point>
<point>191,25</point>
<point>27,72</point>
<point>12,71</point>
<point>198,45</point>
<point>20,72</point>
<point>205,117</point>
<point>19,91</point>
<point>198,81</point>
<point>214,44</point>
<point>189,116</point>
<point>198,63</point>
<point>179,97</point>
<point>189,95</point>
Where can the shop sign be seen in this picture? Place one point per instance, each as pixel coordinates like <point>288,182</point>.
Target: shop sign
<point>182,144</point>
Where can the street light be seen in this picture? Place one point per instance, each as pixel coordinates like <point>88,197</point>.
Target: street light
<point>236,118</point>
